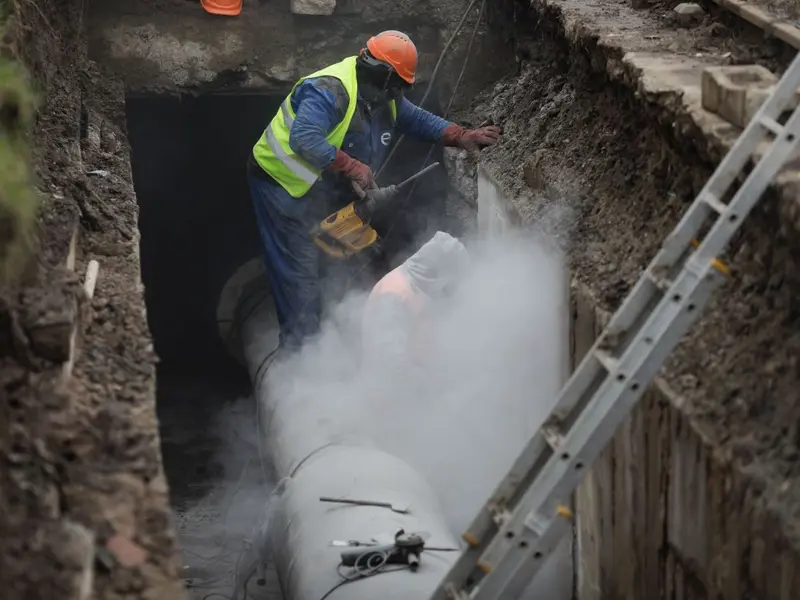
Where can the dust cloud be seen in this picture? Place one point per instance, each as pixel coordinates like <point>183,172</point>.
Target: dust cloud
<point>223,534</point>
<point>494,359</point>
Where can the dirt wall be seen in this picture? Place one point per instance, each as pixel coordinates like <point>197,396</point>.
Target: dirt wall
<point>697,496</point>
<point>162,45</point>
<point>83,500</point>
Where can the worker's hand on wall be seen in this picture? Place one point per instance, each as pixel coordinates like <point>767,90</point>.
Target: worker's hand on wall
<point>471,140</point>
<point>354,170</point>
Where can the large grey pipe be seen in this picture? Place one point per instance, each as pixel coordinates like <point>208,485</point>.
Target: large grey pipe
<point>315,463</point>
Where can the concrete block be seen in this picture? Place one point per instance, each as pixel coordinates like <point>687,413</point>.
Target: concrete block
<point>688,13</point>
<point>313,7</point>
<point>736,92</point>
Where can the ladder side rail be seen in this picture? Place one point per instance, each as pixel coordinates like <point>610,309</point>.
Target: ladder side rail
<point>527,567</point>
<point>757,182</point>
<point>734,162</point>
<point>484,526</point>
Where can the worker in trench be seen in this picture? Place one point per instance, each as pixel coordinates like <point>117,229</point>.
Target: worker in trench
<point>333,131</point>
<point>397,320</point>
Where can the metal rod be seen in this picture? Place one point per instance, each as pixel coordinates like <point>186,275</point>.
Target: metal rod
<point>417,175</point>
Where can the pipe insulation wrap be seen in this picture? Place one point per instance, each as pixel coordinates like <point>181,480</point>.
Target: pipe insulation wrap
<point>318,456</point>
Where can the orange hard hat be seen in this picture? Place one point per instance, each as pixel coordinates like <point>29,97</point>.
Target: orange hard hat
<point>397,50</point>
<point>229,8</point>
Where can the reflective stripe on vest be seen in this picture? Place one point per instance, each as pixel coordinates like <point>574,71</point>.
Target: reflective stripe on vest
<point>273,152</point>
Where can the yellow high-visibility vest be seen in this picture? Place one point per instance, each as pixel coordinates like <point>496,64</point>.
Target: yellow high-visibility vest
<point>272,151</point>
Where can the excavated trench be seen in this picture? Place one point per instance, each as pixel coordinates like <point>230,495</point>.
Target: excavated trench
<point>583,157</point>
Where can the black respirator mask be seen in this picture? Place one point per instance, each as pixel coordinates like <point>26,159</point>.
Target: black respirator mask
<point>378,82</point>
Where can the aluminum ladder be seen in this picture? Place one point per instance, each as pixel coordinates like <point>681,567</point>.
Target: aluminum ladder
<point>528,513</point>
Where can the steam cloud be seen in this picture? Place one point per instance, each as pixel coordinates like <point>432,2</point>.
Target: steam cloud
<point>495,363</point>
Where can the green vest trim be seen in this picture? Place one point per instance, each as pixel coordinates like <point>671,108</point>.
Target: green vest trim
<point>272,151</point>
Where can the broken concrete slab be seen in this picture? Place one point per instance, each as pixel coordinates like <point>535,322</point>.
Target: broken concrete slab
<point>313,7</point>
<point>688,13</point>
<point>736,92</point>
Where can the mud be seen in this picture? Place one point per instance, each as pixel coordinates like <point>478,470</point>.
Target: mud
<point>574,136</point>
<point>83,498</point>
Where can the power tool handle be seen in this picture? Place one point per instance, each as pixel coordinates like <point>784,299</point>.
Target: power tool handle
<point>359,191</point>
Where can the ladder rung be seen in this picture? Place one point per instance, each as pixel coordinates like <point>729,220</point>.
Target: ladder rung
<point>714,202</point>
<point>455,594</point>
<point>552,434</point>
<point>772,125</point>
<point>604,358</point>
<point>662,283</point>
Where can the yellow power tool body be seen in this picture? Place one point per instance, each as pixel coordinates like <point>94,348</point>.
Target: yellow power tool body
<point>348,231</point>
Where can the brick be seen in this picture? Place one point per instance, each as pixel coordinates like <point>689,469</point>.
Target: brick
<point>736,92</point>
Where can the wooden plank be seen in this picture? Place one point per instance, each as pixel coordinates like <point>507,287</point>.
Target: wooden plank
<point>587,503</point>
<point>687,519</point>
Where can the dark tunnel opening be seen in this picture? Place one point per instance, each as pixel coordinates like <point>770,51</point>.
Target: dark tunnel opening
<point>195,220</point>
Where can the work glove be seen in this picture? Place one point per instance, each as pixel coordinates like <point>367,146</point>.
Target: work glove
<point>380,196</point>
<point>471,140</point>
<point>373,200</point>
<point>356,171</point>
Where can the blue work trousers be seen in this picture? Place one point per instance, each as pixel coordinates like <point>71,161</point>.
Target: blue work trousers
<point>291,258</point>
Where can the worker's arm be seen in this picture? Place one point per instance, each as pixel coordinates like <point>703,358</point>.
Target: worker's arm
<point>320,105</point>
<point>418,122</point>
<point>318,110</point>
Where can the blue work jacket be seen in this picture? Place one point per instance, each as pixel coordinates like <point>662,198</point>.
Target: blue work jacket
<point>320,104</point>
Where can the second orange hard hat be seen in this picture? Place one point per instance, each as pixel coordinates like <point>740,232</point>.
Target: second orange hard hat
<point>230,8</point>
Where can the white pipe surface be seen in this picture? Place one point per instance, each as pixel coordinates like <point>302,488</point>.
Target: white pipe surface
<point>315,463</point>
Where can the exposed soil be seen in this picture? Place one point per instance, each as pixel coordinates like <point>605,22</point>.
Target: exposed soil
<point>573,137</point>
<point>220,491</point>
<point>82,494</point>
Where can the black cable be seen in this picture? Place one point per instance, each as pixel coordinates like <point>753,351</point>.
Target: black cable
<point>433,77</point>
